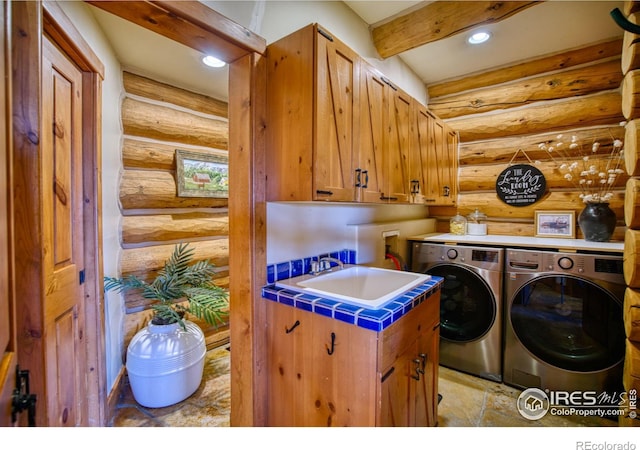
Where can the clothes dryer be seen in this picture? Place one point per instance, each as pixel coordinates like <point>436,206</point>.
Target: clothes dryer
<point>563,321</point>
<point>470,305</point>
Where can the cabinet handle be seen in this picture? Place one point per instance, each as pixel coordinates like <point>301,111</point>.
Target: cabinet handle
<point>415,186</point>
<point>426,200</point>
<point>383,197</point>
<point>358,172</point>
<point>446,191</point>
<point>386,375</point>
<point>423,357</point>
<point>366,178</point>
<point>324,192</point>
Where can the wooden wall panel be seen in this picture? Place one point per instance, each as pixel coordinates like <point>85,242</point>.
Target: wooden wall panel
<point>502,120</point>
<point>157,119</point>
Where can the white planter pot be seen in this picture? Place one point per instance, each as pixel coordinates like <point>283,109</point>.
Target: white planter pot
<point>165,363</point>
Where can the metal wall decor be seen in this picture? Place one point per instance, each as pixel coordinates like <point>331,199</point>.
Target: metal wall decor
<point>520,184</point>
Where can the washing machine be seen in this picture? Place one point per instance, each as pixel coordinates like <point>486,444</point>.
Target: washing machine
<point>470,305</point>
<point>563,321</point>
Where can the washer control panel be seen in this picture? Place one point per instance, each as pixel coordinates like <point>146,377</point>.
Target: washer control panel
<point>424,254</point>
<point>601,267</point>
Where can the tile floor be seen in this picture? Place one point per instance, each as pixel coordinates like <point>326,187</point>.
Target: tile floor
<point>467,401</point>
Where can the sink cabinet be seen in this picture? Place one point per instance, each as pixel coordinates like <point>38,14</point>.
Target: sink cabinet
<point>325,372</point>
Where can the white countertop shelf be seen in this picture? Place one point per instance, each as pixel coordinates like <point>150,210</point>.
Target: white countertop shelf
<point>570,245</point>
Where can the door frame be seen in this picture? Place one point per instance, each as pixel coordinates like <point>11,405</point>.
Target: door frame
<point>195,25</point>
<point>29,21</point>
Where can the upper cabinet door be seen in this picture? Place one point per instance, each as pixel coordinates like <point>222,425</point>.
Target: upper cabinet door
<point>337,119</point>
<point>373,116</point>
<point>397,186</point>
<point>434,162</point>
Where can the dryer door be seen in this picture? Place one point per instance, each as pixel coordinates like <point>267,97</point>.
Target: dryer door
<point>467,304</point>
<point>569,322</point>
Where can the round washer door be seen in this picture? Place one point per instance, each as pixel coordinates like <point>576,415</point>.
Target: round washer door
<point>569,322</point>
<point>467,305</point>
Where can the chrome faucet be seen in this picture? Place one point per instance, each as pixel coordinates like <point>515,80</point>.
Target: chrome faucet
<point>324,265</point>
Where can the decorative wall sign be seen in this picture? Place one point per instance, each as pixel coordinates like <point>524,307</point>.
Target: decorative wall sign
<point>520,185</point>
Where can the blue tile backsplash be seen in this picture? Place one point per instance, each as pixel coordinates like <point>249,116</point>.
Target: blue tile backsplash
<point>289,269</point>
<point>372,319</point>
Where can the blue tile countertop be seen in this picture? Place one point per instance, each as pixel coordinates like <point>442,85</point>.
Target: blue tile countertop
<point>371,319</point>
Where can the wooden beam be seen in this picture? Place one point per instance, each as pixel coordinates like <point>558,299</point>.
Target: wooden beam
<point>557,61</point>
<point>190,23</point>
<point>439,20</point>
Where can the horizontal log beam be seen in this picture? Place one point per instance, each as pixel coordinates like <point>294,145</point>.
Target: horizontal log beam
<point>439,20</point>
<point>571,83</point>
<point>631,314</point>
<point>630,48</point>
<point>148,88</point>
<point>632,203</point>
<point>140,154</point>
<point>492,206</point>
<point>554,62</point>
<point>592,110</point>
<point>145,262</point>
<point>164,123</point>
<point>175,227</point>
<point>631,95</point>
<point>484,177</point>
<point>502,150</point>
<point>143,189</point>
<point>631,263</point>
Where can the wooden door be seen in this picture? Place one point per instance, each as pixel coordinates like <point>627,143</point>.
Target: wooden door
<point>8,359</point>
<point>397,183</point>
<point>336,119</point>
<point>370,146</point>
<point>442,165</point>
<point>61,175</point>
<point>395,401</point>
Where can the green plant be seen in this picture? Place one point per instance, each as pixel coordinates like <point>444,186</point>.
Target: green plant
<point>177,281</point>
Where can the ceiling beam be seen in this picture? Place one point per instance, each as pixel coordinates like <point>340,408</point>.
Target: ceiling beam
<point>439,20</point>
<point>190,23</point>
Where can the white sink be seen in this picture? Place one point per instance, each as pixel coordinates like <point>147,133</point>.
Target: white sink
<point>365,286</point>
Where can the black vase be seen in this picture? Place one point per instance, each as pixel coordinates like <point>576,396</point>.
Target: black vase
<point>597,222</point>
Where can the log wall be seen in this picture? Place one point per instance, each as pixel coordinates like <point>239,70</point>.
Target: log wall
<point>631,310</point>
<point>157,119</point>
<point>503,115</point>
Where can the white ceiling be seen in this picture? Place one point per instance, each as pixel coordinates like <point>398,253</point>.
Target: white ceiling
<point>551,27</point>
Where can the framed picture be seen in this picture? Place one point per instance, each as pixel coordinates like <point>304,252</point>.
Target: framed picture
<point>202,175</point>
<point>556,224</point>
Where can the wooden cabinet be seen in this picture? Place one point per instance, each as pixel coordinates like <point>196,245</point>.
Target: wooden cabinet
<point>312,105</point>
<point>434,159</point>
<point>338,130</point>
<point>325,372</point>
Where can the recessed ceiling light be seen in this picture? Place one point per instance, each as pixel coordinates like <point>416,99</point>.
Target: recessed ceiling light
<point>212,61</point>
<point>479,37</point>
